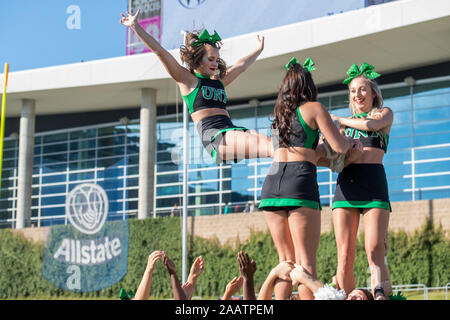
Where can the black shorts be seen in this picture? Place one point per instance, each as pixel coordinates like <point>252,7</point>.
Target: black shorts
<point>362,185</point>
<point>211,131</point>
<point>290,185</point>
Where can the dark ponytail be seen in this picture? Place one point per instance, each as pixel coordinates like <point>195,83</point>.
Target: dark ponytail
<point>297,88</point>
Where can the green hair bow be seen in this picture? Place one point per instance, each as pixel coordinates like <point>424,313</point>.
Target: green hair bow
<point>366,69</point>
<point>308,64</point>
<point>398,296</point>
<point>205,37</point>
<point>123,295</point>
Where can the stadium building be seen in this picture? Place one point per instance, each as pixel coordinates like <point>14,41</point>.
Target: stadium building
<point>119,122</point>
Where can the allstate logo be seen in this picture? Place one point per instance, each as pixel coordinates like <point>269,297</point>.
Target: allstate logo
<point>191,4</point>
<point>87,207</point>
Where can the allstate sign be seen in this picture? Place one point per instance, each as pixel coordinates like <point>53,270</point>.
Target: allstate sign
<point>91,253</point>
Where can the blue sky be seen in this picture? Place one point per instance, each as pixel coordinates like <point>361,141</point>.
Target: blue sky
<point>33,33</point>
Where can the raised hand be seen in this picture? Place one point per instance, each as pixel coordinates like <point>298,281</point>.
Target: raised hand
<point>197,267</point>
<point>260,43</point>
<point>130,20</point>
<point>152,258</point>
<point>169,264</point>
<point>246,267</point>
<point>232,287</point>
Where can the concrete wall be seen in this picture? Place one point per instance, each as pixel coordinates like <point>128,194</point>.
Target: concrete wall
<point>407,216</point>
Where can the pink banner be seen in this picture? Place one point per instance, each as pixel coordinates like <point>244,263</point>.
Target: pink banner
<point>153,26</point>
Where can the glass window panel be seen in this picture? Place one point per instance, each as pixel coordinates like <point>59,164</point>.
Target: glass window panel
<point>82,155</point>
<point>45,201</point>
<point>204,199</point>
<point>424,140</point>
<point>431,101</point>
<point>399,143</point>
<point>37,160</point>
<point>10,143</point>
<point>169,190</point>
<point>55,148</point>
<point>132,149</point>
<point>203,187</point>
<point>436,113</point>
<point>168,178</point>
<point>426,182</point>
<point>55,137</point>
<point>111,141</point>
<point>438,127</point>
<point>400,130</point>
<point>53,211</point>
<point>81,176</point>
<point>241,185</point>
<point>35,191</point>
<point>83,144</point>
<point>433,167</point>
<point>62,157</point>
<point>430,153</point>
<point>432,194</point>
<point>108,152</point>
<point>132,170</point>
<point>80,165</point>
<point>132,194</point>
<point>9,154</point>
<point>83,134</point>
<point>397,170</point>
<point>108,162</point>
<point>325,101</point>
<point>397,156</point>
<point>168,202</point>
<point>398,104</point>
<point>432,88</point>
<point>9,163</point>
<point>339,102</point>
<point>106,131</point>
<point>53,189</point>
<point>53,179</point>
<point>132,182</point>
<point>237,199</point>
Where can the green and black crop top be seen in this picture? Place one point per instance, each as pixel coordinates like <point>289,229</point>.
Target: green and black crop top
<point>304,137</point>
<point>367,138</point>
<point>209,93</point>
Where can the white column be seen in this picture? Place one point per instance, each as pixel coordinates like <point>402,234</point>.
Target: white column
<point>25,174</point>
<point>147,152</point>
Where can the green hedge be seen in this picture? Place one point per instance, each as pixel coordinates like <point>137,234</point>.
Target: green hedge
<point>422,257</point>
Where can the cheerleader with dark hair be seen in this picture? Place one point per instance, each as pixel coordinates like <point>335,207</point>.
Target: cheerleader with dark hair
<point>290,193</point>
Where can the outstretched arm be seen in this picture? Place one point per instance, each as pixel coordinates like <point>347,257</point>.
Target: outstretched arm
<point>178,293</point>
<point>143,290</point>
<point>243,63</point>
<point>176,71</point>
<point>280,271</point>
<point>300,276</point>
<point>247,269</point>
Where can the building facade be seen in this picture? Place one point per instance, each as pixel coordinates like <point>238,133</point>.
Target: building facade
<point>104,147</point>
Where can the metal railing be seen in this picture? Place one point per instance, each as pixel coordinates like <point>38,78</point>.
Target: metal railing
<point>414,176</point>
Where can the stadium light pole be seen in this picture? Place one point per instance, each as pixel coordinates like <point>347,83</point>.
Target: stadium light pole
<point>185,180</point>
